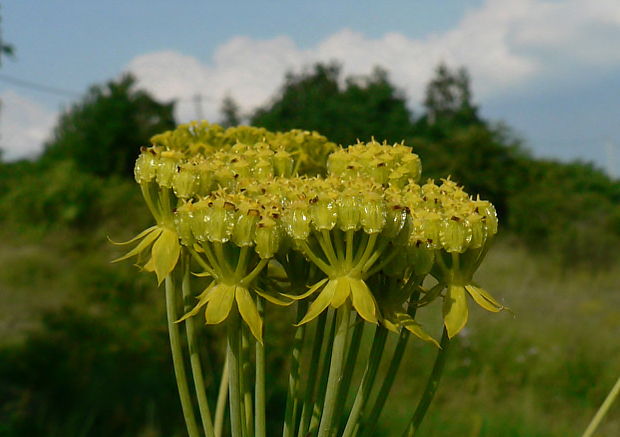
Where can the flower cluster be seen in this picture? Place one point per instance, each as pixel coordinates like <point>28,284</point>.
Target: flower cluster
<point>245,202</point>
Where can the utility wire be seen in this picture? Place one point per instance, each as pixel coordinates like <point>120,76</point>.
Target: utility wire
<point>38,87</point>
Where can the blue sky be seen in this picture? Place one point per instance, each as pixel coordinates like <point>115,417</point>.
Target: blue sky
<point>550,69</point>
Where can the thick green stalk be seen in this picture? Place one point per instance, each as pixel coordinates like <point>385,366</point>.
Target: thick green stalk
<point>194,355</point>
<point>234,374</point>
<point>321,385</point>
<point>222,398</point>
<point>292,397</point>
<point>260,427</point>
<point>177,359</point>
<point>598,417</point>
<point>431,387</point>
<point>309,393</point>
<point>349,367</point>
<point>368,380</point>
<point>335,370</point>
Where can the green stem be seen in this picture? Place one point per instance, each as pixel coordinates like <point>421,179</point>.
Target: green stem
<point>349,367</point>
<point>431,387</point>
<point>349,248</point>
<point>368,380</point>
<point>221,257</point>
<point>259,392</point>
<point>370,421</point>
<point>321,382</point>
<point>306,412</point>
<point>247,280</point>
<point>247,408</point>
<point>339,244</point>
<point>146,193</point>
<point>326,244</point>
<point>194,355</point>
<point>386,260</point>
<point>242,262</point>
<point>177,359</point>
<point>598,417</point>
<point>202,263</point>
<point>370,245</point>
<point>292,397</point>
<point>222,397</point>
<point>234,370</point>
<point>335,370</point>
<point>315,259</point>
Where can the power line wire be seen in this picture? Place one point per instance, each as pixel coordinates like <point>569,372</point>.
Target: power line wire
<point>38,87</point>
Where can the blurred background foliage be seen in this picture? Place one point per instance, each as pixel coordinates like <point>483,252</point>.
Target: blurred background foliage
<point>83,349</point>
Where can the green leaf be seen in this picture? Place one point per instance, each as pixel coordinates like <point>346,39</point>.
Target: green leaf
<point>484,299</point>
<point>146,241</point>
<point>166,252</point>
<point>314,288</point>
<point>320,303</point>
<point>455,312</point>
<point>221,299</point>
<point>249,312</point>
<point>343,290</point>
<point>136,238</point>
<point>407,322</point>
<point>363,300</point>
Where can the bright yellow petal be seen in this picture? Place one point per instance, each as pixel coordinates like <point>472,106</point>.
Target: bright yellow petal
<point>273,297</point>
<point>149,266</point>
<point>415,328</point>
<point>166,252</point>
<point>204,299</point>
<point>363,300</point>
<point>146,241</point>
<point>221,299</point>
<point>136,238</point>
<point>343,290</point>
<point>314,288</point>
<point>484,299</point>
<point>249,312</point>
<point>455,311</point>
<point>320,303</point>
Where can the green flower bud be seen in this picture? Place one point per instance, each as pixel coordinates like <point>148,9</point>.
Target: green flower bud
<point>184,183</point>
<point>225,177</point>
<point>183,219</point>
<point>283,163</point>
<point>455,234</point>
<point>426,227</point>
<point>146,166</point>
<point>373,213</point>
<point>489,215</point>
<point>296,220</point>
<point>245,228</point>
<point>478,231</point>
<point>395,218</point>
<point>263,169</point>
<point>324,214</point>
<point>241,168</point>
<point>348,213</point>
<point>166,169</point>
<point>421,259</point>
<point>221,221</point>
<point>267,238</point>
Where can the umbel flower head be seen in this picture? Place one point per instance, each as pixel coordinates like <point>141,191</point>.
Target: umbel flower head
<point>238,199</point>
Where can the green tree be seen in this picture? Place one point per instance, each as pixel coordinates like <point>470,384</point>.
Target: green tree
<point>448,103</point>
<point>102,133</point>
<point>230,112</point>
<point>364,107</point>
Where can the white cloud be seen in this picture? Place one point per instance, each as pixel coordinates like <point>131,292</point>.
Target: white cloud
<point>24,126</point>
<point>504,44</point>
